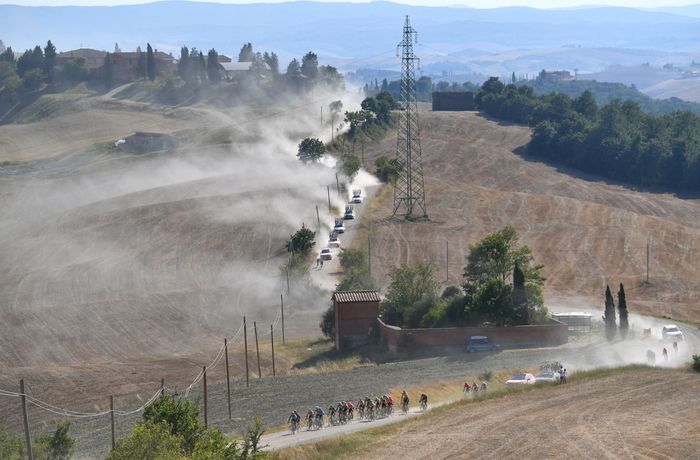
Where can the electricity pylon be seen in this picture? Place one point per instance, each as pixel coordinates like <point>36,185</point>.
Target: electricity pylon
<point>409,193</point>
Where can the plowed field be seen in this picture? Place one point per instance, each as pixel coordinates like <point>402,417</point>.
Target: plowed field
<point>586,232</point>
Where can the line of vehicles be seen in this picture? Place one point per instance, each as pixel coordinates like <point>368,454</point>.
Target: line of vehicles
<point>339,225</point>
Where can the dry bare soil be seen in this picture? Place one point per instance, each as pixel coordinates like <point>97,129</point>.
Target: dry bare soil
<point>587,232</point>
<point>117,270</point>
<point>633,414</point>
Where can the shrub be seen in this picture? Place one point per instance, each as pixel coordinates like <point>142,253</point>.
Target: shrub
<point>11,447</point>
<point>696,363</point>
<point>60,446</point>
<point>328,323</point>
<point>486,376</point>
<point>148,441</point>
<point>181,416</point>
<point>213,445</point>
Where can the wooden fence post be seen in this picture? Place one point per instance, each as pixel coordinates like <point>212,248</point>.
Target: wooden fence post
<point>111,416</point>
<point>228,380</point>
<point>245,347</point>
<point>204,382</point>
<point>25,416</point>
<point>272,341</point>
<point>257,349</point>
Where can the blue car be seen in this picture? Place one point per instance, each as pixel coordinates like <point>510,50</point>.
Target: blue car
<point>481,343</point>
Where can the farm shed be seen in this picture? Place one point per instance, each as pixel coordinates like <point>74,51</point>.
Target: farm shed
<point>453,101</point>
<point>355,316</point>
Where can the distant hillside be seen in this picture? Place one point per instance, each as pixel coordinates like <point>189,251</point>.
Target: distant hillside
<point>297,27</point>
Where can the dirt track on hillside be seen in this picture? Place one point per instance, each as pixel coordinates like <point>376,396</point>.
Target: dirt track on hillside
<point>586,232</point>
<point>641,414</point>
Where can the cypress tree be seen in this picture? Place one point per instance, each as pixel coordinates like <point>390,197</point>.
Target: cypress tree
<point>108,71</point>
<point>49,61</point>
<point>609,317</point>
<point>150,63</point>
<point>622,311</point>
<point>213,66</point>
<point>519,297</point>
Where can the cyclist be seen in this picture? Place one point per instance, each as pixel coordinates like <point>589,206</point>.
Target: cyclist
<point>293,421</point>
<point>675,347</point>
<point>331,415</point>
<point>423,401</point>
<point>390,404</point>
<point>361,409</point>
<point>309,420</point>
<point>665,353</point>
<point>466,387</point>
<point>404,401</point>
<point>319,417</point>
<point>483,386</point>
<point>351,410</point>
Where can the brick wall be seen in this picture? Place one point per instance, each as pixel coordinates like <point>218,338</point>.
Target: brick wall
<point>395,338</point>
<point>353,322</point>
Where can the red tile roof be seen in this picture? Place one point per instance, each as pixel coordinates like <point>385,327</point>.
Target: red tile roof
<point>356,296</point>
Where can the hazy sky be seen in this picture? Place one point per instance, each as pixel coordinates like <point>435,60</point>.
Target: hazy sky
<point>471,3</point>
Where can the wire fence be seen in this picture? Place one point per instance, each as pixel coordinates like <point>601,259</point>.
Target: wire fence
<point>90,424</point>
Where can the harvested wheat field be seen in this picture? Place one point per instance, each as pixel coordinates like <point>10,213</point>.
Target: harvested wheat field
<point>585,231</point>
<point>117,270</point>
<point>646,413</point>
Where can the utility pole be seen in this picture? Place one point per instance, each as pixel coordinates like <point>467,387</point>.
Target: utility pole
<point>257,348</point>
<point>25,419</point>
<point>647,261</point>
<point>447,260</point>
<point>282,306</point>
<point>328,189</point>
<point>337,183</point>
<point>321,116</point>
<point>409,193</point>
<point>369,255</point>
<point>245,347</point>
<point>287,272</point>
<point>228,379</point>
<point>272,342</point>
<point>318,218</point>
<point>111,420</point>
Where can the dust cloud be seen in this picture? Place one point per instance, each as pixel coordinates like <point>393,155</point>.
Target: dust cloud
<point>131,257</point>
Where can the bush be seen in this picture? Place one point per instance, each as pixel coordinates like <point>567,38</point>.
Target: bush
<point>213,445</point>
<point>60,446</point>
<point>486,376</point>
<point>351,165</point>
<point>328,323</point>
<point>148,441</point>
<point>181,416</point>
<point>11,446</point>
<point>696,363</point>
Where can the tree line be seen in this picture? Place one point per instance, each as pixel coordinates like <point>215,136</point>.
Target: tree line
<point>617,140</point>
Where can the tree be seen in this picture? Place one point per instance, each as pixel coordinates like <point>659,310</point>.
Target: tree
<point>519,294</point>
<point>512,78</point>
<point>302,241</point>
<point>148,441</point>
<point>311,149</point>
<point>293,75</point>
<point>272,62</point>
<point>116,48</point>
<point>181,417</point>
<point>495,256</point>
<point>141,64</point>
<point>609,317</point>
<point>213,445</point>
<point>408,286</point>
<point>351,165</point>
<point>49,61</point>
<point>388,170</point>
<point>8,56</point>
<point>108,71</point>
<point>327,323</point>
<point>335,106</point>
<point>622,311</point>
<point>355,267</point>
<point>150,63</point>
<point>309,66</point>
<point>213,66</point>
<point>246,54</point>
<point>33,79</point>
<point>493,303</point>
<point>60,446</point>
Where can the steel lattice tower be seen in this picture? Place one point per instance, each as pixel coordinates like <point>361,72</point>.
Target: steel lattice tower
<point>409,194</point>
